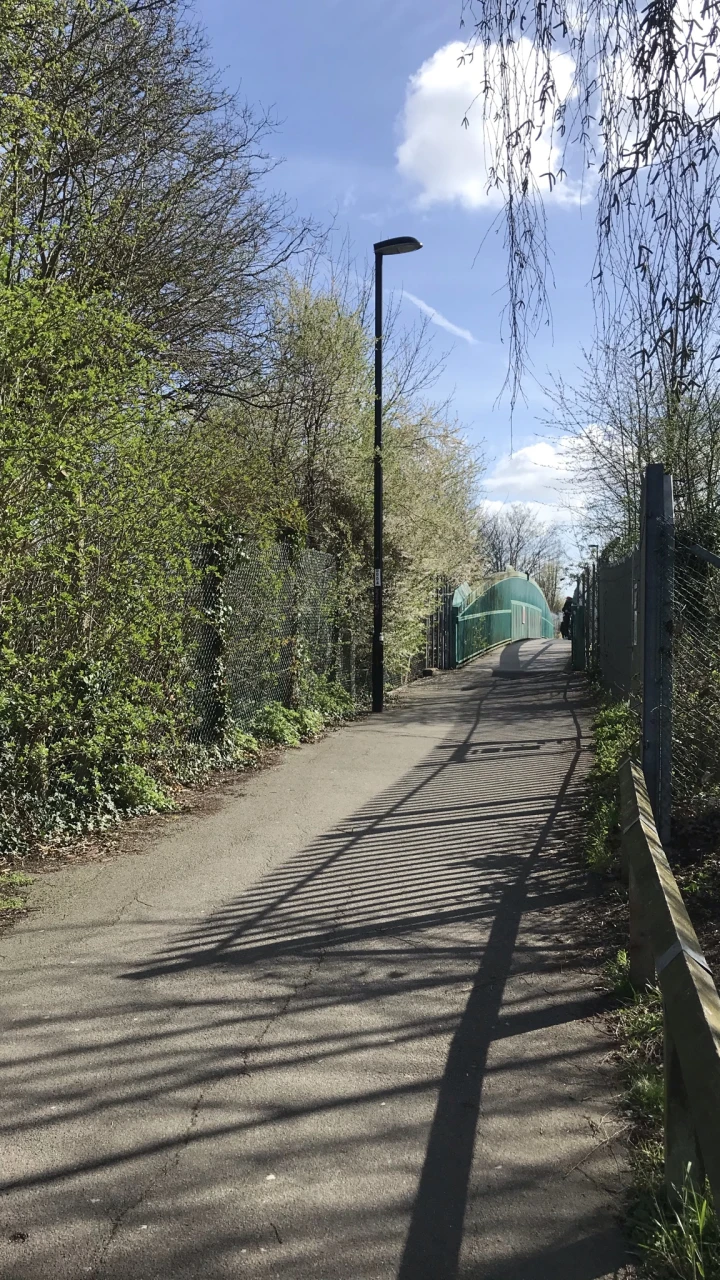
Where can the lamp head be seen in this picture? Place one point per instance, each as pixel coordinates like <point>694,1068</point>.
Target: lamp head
<point>398,244</point>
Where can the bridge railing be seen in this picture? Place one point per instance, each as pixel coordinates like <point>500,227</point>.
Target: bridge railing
<point>665,947</point>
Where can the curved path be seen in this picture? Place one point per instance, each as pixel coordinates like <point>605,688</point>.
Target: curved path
<point>340,1027</point>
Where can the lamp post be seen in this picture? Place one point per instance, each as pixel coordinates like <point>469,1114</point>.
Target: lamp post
<point>384,248</point>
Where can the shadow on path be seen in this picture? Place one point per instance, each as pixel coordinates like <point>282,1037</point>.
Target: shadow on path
<point>379,967</point>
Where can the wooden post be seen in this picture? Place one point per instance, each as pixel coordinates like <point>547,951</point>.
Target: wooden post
<point>691,1006</point>
<point>683,1159</point>
<point>640,948</point>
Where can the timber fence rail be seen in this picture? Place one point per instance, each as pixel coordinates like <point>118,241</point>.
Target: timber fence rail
<point>663,944</point>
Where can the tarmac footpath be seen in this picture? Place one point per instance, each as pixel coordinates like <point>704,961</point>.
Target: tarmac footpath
<point>341,1027</point>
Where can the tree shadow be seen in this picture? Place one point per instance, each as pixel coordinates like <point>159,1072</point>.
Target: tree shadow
<point>332,988</point>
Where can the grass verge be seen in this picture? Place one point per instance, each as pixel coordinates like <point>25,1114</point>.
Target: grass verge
<point>616,734</point>
<point>325,704</point>
<point>679,1241</point>
<point>14,887</point>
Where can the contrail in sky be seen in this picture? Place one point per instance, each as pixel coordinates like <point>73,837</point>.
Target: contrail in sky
<point>440,320</point>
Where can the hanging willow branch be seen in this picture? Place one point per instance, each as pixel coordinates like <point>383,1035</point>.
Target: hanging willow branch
<point>596,97</point>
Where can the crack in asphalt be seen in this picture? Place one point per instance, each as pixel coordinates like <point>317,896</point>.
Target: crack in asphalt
<point>172,1162</point>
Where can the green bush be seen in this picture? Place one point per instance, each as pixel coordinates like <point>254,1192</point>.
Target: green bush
<point>310,723</point>
<point>330,699</point>
<point>241,748</point>
<point>615,735</point>
<point>94,568</point>
<point>324,701</point>
<point>275,723</point>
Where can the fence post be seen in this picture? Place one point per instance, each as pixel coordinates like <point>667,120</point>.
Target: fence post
<point>210,644</point>
<point>586,618</point>
<point>640,952</point>
<point>666,699</point>
<point>683,1158</point>
<point>448,626</point>
<point>591,617</point>
<point>656,604</point>
<point>454,615</point>
<point>596,615</point>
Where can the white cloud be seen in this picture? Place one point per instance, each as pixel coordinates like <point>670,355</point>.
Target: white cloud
<point>450,163</point>
<point>538,475</point>
<point>439,319</point>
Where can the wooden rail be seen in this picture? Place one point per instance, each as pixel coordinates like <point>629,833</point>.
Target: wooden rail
<point>663,943</point>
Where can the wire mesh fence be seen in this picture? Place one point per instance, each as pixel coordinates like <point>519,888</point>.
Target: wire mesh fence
<point>648,625</point>
<point>696,681</point>
<point>261,626</point>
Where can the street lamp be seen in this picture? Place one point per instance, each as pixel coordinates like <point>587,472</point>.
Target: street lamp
<point>399,244</point>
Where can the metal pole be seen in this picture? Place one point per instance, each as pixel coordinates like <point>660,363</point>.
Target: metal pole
<point>378,661</point>
<point>593,588</point>
<point>666,676</point>
<point>656,599</point>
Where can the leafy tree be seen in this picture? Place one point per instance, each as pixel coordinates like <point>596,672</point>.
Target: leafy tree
<point>125,168</point>
<point>547,576</point>
<point>297,462</point>
<point>94,564</point>
<point>165,380</point>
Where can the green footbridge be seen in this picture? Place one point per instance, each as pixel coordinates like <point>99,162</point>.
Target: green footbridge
<point>509,607</point>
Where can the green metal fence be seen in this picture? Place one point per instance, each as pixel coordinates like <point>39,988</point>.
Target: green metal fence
<point>513,608</point>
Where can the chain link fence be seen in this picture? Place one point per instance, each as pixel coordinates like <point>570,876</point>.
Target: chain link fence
<point>262,626</point>
<point>695,681</point>
<point>648,626</point>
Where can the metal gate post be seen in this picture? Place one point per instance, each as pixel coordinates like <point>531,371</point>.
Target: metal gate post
<point>656,559</point>
<point>210,644</point>
<point>454,615</point>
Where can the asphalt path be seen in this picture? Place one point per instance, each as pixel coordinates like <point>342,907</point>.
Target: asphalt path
<point>343,1026</point>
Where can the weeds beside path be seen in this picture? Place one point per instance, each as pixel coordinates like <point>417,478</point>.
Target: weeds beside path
<point>275,728</point>
<point>674,1243</point>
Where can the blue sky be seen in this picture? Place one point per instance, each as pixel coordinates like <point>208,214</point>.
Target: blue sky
<point>370,102</point>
